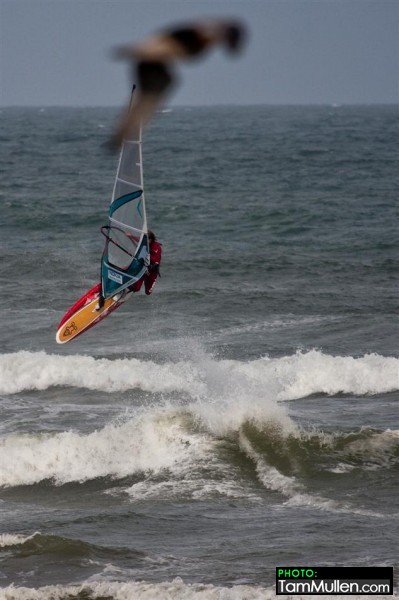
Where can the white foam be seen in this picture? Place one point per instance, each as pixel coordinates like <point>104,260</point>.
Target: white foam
<point>289,377</point>
<point>153,441</point>
<point>173,590</point>
<point>306,373</point>
<point>225,396</point>
<point>15,539</point>
<point>39,371</point>
<point>199,473</point>
<point>183,440</point>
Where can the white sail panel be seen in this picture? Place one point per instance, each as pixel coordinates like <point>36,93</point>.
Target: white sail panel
<point>126,251</point>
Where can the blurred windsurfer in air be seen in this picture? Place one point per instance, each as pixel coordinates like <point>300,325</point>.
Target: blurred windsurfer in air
<point>153,59</point>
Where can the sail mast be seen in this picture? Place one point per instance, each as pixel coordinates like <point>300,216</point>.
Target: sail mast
<point>126,250</point>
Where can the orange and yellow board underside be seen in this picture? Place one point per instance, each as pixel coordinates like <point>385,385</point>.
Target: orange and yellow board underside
<point>84,314</point>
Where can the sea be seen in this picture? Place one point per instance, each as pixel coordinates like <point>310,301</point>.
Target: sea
<point>244,416</point>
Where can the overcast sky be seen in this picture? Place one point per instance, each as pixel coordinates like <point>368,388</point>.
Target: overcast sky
<point>57,52</point>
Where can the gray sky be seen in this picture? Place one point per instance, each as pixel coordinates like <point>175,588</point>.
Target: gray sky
<point>56,52</point>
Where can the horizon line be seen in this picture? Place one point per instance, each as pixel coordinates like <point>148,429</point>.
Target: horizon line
<point>218,105</point>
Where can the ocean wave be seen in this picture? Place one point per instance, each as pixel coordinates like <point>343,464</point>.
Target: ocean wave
<point>307,453</point>
<point>290,377</point>
<point>285,463</point>
<point>40,544</point>
<point>171,590</point>
<point>201,448</point>
<point>15,539</point>
<point>234,449</point>
<point>306,373</point>
<point>25,370</point>
<point>153,441</point>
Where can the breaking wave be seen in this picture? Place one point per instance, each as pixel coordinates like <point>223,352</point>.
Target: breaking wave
<point>197,452</point>
<point>173,590</point>
<point>230,422</point>
<point>290,377</point>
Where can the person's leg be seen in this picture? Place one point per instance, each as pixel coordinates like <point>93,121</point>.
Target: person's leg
<point>149,282</point>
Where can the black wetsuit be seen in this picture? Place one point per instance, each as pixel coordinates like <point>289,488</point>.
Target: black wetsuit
<point>155,76</point>
<point>190,39</point>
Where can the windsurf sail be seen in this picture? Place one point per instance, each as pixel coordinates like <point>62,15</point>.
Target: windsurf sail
<point>126,254</point>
